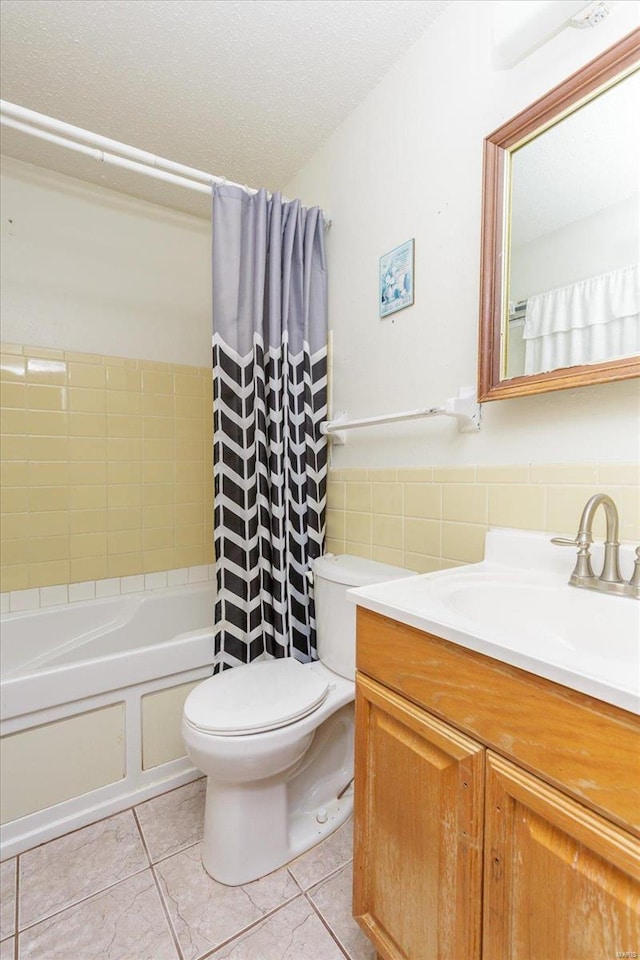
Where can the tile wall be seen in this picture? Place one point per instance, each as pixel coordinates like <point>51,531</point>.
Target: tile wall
<point>431,518</point>
<point>106,467</point>
<point>35,598</point>
<point>107,473</point>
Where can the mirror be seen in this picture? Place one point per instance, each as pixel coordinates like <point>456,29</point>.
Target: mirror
<point>560,281</point>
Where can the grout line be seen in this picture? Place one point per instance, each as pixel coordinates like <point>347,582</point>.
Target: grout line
<point>348,821</point>
<point>326,876</point>
<point>333,873</point>
<point>76,903</point>
<point>142,836</point>
<point>151,866</point>
<point>91,585</point>
<point>16,909</point>
<point>70,833</point>
<point>104,819</point>
<point>167,792</point>
<point>297,882</point>
<point>167,916</point>
<point>325,924</point>
<point>249,927</point>
<point>174,853</point>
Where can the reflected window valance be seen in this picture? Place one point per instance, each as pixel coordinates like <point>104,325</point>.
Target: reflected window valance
<point>584,321</point>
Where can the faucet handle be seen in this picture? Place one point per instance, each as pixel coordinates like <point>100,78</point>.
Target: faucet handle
<point>635,576</point>
<point>583,570</point>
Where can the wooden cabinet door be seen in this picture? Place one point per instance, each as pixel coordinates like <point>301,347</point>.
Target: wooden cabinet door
<point>418,830</point>
<point>561,882</point>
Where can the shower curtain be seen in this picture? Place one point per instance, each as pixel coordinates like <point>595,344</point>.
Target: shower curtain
<point>270,395</point>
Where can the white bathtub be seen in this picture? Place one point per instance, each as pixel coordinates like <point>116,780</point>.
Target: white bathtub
<point>75,660</point>
<point>59,654</point>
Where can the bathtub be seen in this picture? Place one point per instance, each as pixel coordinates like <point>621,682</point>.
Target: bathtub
<point>92,692</point>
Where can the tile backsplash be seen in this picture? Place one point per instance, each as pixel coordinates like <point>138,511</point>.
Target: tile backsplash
<point>106,467</point>
<point>430,518</point>
<point>36,598</point>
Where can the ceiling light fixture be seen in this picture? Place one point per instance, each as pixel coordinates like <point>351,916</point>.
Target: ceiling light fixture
<point>591,15</point>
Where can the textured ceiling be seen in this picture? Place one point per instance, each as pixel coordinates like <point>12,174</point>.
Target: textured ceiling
<point>246,89</point>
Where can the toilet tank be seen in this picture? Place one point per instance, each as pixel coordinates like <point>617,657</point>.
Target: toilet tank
<point>335,614</point>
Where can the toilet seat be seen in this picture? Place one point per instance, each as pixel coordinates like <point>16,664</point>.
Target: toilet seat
<point>255,698</point>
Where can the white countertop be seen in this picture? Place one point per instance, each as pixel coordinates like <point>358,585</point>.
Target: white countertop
<point>516,607</point>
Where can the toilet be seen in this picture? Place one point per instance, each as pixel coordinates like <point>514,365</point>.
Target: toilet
<point>275,739</point>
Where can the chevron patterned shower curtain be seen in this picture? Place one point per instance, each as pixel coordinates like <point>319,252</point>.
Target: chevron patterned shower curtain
<point>270,395</point>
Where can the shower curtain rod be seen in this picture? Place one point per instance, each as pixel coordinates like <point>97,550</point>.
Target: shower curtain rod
<point>113,152</point>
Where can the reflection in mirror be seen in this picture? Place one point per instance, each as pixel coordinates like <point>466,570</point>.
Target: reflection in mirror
<point>559,287</point>
<point>574,238</point>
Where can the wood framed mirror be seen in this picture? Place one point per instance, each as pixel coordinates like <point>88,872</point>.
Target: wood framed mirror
<point>560,283</point>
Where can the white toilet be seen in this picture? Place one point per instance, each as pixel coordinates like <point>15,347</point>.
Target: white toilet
<point>275,739</point>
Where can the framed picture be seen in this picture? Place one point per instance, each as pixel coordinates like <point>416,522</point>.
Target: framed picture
<point>396,279</point>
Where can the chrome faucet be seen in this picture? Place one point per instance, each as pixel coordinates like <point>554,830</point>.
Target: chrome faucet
<point>610,580</point>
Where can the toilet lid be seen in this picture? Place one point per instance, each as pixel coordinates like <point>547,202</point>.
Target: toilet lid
<point>255,698</point>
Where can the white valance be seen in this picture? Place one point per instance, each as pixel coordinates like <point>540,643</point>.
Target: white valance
<point>586,322</point>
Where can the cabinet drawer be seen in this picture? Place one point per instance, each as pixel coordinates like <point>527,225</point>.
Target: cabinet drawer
<point>581,745</point>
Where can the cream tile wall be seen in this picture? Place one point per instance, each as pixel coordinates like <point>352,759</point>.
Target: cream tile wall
<point>431,518</point>
<point>106,467</point>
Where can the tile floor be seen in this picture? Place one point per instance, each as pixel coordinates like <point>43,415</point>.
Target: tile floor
<point>132,887</point>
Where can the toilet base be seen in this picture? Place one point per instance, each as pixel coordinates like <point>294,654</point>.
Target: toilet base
<point>271,847</point>
<point>235,821</point>
<point>252,829</point>
<point>306,830</point>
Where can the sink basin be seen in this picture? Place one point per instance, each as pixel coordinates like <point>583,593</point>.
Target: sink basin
<point>537,615</point>
<point>517,606</point>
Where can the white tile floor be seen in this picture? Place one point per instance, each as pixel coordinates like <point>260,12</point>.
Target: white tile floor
<point>132,887</point>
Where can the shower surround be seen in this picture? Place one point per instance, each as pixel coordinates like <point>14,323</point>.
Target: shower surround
<point>106,467</point>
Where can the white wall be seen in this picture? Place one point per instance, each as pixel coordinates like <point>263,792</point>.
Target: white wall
<point>408,163</point>
<point>88,269</point>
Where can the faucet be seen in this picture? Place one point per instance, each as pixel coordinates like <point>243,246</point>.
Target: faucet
<point>610,580</point>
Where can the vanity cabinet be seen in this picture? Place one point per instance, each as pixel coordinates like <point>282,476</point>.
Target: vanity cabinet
<point>418,879</point>
<point>497,814</point>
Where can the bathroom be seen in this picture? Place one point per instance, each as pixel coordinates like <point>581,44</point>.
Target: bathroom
<point>107,430</point>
